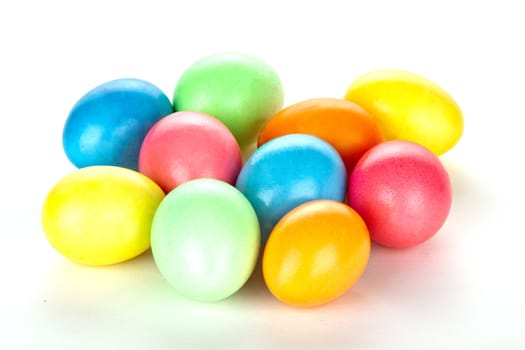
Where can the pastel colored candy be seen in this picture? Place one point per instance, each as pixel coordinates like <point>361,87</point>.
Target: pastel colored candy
<point>316,253</point>
<point>402,191</point>
<point>288,171</point>
<point>409,107</point>
<point>205,239</point>
<point>240,90</point>
<point>343,124</point>
<point>101,215</point>
<point>108,124</point>
<point>186,146</point>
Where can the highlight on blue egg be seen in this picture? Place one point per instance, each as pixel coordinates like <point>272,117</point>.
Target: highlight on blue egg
<point>289,171</point>
<point>108,124</point>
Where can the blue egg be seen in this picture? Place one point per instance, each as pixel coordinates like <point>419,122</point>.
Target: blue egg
<point>289,171</point>
<point>108,124</point>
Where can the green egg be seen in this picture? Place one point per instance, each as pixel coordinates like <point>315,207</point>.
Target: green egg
<point>205,239</point>
<point>240,90</point>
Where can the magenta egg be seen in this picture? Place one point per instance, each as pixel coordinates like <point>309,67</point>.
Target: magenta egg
<point>189,145</point>
<point>402,191</point>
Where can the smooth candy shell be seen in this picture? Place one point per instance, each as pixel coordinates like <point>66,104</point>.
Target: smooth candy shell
<point>108,124</point>
<point>186,146</point>
<point>402,191</point>
<point>205,239</point>
<point>241,91</point>
<point>101,215</point>
<point>409,107</point>
<point>289,171</point>
<point>316,253</point>
<point>343,124</point>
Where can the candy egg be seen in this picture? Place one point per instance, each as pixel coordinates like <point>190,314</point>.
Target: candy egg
<point>316,253</point>
<point>101,215</point>
<point>108,124</point>
<point>402,191</point>
<point>288,171</point>
<point>409,107</point>
<point>343,124</point>
<point>205,239</point>
<point>240,90</point>
<point>186,146</point>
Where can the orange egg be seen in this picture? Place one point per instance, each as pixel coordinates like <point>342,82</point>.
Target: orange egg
<point>343,124</point>
<point>316,253</point>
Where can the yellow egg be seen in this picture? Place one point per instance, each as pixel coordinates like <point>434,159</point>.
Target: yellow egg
<point>409,107</point>
<point>101,215</point>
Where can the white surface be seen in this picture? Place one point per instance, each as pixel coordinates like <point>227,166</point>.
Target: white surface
<point>463,289</point>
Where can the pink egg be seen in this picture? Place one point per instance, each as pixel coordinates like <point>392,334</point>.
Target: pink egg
<point>189,145</point>
<point>402,191</point>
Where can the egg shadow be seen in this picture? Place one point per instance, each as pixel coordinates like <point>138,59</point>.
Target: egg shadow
<point>415,273</point>
<point>417,283</point>
<point>254,288</point>
<point>474,201</point>
<point>135,295</point>
<point>406,283</point>
<point>247,151</point>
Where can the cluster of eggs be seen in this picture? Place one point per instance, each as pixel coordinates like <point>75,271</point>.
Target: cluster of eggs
<point>328,176</point>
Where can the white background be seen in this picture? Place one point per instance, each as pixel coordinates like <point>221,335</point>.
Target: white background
<point>464,289</point>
